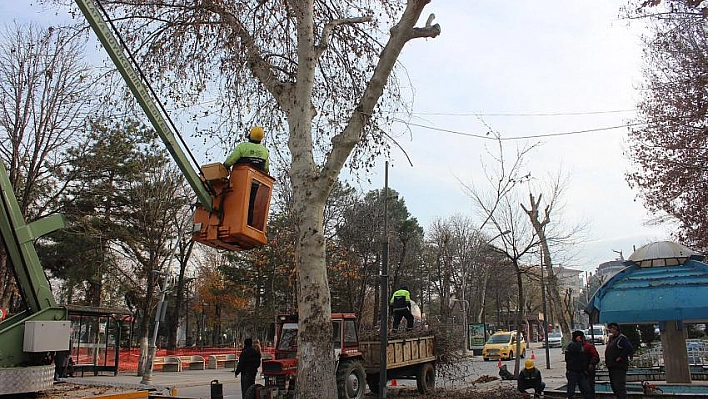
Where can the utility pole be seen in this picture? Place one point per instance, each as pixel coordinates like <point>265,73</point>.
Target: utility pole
<point>383,377</point>
<point>545,316</point>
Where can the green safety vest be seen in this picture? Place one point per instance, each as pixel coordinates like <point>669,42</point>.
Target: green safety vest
<point>251,153</point>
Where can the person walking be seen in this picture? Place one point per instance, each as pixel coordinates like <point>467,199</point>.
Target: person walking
<point>401,306</point>
<point>248,363</point>
<point>593,359</point>
<point>530,377</point>
<point>576,367</point>
<point>617,353</point>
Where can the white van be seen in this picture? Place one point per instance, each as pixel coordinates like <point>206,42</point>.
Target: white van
<point>597,335</point>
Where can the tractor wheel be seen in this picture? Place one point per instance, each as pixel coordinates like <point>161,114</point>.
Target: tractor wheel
<point>351,380</point>
<point>425,378</point>
<point>373,381</point>
<point>252,391</point>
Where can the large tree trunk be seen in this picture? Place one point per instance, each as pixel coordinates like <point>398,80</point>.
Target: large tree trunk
<point>312,184</point>
<point>315,351</point>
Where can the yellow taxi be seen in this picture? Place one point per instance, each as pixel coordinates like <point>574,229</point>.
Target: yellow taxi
<point>502,345</point>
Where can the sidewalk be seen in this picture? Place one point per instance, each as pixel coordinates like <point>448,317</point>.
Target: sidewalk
<point>167,383</point>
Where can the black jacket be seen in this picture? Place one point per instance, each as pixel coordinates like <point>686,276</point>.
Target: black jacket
<point>529,377</point>
<point>249,361</point>
<point>575,358</point>
<point>618,347</point>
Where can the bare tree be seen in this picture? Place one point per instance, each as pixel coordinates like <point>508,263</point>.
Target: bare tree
<point>317,68</point>
<point>503,216</point>
<point>45,95</point>
<point>552,237</point>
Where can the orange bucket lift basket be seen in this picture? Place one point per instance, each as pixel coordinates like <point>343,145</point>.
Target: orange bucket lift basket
<point>241,205</point>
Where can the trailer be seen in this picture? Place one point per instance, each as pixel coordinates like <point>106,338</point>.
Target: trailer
<point>407,358</point>
<point>358,362</point>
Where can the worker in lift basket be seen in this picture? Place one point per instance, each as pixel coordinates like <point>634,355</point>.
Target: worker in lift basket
<point>253,153</point>
<point>250,152</point>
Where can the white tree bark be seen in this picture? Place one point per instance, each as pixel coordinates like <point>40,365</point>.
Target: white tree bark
<point>311,186</point>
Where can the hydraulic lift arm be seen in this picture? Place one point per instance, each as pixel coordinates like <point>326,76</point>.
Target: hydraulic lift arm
<point>141,92</point>
<point>233,209</point>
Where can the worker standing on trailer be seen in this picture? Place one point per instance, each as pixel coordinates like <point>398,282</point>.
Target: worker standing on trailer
<point>250,152</point>
<point>400,303</point>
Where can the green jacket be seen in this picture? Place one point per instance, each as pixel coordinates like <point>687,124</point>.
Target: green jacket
<point>249,152</point>
<point>400,299</point>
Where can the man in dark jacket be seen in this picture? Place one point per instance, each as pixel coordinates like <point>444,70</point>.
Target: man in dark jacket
<point>530,377</point>
<point>248,364</point>
<point>576,367</point>
<point>617,354</point>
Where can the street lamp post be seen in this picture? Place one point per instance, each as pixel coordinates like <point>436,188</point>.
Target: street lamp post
<point>203,332</point>
<point>545,317</point>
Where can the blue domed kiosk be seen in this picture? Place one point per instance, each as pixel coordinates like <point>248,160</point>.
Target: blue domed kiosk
<point>664,283</point>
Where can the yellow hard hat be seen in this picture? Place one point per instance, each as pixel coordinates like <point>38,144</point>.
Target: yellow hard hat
<point>256,133</point>
<point>529,364</point>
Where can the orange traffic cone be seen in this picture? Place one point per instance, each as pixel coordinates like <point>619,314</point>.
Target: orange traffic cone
<point>533,355</point>
<point>499,363</point>
<point>394,383</point>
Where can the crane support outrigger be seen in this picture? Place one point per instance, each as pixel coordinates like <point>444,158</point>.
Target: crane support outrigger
<point>231,214</point>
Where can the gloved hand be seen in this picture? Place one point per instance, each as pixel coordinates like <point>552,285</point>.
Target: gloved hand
<point>236,373</point>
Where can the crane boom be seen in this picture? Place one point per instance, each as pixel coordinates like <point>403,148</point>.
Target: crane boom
<point>231,215</point>
<point>142,94</point>
<point>233,208</point>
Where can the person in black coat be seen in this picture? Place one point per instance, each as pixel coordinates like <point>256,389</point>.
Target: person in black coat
<point>576,367</point>
<point>248,364</point>
<point>617,353</point>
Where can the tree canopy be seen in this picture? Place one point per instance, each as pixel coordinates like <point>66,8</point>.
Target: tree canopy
<point>669,151</point>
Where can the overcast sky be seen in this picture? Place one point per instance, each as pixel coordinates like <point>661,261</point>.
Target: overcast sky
<point>525,68</point>
<point>515,63</point>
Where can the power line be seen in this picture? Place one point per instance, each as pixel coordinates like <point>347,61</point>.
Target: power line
<point>521,114</point>
<point>488,136</point>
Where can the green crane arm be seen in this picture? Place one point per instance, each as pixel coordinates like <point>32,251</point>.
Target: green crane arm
<point>18,238</point>
<point>142,94</point>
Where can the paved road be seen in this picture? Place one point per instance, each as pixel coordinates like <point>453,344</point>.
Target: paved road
<point>197,383</point>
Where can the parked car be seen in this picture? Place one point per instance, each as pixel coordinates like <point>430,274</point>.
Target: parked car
<point>502,345</point>
<point>597,335</point>
<point>555,340</point>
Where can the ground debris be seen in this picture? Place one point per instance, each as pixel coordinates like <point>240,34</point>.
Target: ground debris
<point>499,392</point>
<point>76,391</point>
<point>484,378</point>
